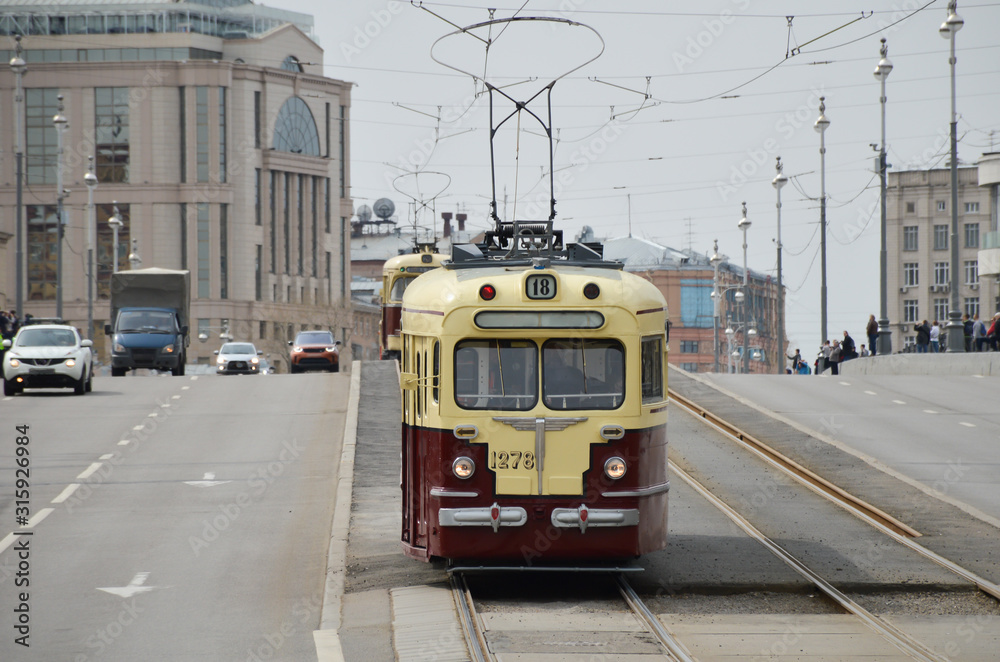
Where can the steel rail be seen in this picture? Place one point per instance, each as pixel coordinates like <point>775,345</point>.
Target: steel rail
<point>855,506</point>
<point>662,634</point>
<point>797,471</point>
<point>902,641</point>
<point>478,650</point>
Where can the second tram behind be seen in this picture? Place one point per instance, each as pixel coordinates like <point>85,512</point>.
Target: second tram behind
<point>534,398</point>
<point>397,273</point>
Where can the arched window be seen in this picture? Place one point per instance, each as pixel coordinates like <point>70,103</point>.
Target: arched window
<point>295,130</point>
<point>291,63</point>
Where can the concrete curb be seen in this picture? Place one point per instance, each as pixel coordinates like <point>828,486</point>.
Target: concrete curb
<point>327,638</point>
<point>985,364</point>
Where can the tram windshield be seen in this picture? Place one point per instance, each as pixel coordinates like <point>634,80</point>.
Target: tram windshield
<point>398,287</point>
<point>496,374</point>
<point>504,375</point>
<point>583,374</point>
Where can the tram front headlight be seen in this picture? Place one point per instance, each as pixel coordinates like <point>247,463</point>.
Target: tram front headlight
<point>614,468</point>
<point>463,467</point>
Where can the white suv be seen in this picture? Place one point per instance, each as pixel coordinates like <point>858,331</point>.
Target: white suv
<point>47,356</point>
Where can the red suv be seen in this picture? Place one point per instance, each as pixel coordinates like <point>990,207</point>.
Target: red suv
<point>314,350</point>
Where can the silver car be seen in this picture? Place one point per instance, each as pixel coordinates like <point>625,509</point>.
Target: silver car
<point>47,356</point>
<point>238,358</point>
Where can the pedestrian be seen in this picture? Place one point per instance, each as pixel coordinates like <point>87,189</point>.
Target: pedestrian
<point>864,352</point>
<point>802,368</point>
<point>836,355</point>
<point>796,359</point>
<point>978,332</point>
<point>923,336</point>
<point>872,332</point>
<point>935,337</point>
<point>823,358</point>
<point>991,333</point>
<point>967,331</point>
<point>847,349</point>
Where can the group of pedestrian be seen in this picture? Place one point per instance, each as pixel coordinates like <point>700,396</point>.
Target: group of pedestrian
<point>835,352</point>
<point>9,323</point>
<point>978,336</point>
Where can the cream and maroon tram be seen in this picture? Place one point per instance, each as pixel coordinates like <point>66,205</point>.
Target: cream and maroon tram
<point>534,410</point>
<point>397,274</point>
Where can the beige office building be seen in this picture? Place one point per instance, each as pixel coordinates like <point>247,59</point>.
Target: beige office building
<point>918,248</point>
<point>226,149</point>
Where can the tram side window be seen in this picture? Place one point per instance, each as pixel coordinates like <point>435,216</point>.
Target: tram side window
<point>496,374</point>
<point>396,293</point>
<point>583,374</point>
<point>652,369</point>
<point>436,374</point>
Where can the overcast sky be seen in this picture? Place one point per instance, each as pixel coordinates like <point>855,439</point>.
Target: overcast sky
<point>704,95</point>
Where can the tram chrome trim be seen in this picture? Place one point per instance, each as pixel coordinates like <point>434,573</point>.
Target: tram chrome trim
<point>570,518</point>
<point>509,516</point>
<point>445,492</point>
<point>641,492</point>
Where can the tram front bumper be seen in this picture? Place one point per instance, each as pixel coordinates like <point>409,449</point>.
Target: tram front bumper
<point>564,518</point>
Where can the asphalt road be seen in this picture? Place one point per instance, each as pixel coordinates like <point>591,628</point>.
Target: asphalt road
<point>942,432</point>
<point>200,527</point>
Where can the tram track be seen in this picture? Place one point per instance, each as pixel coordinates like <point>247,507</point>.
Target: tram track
<point>480,650</point>
<point>881,521</point>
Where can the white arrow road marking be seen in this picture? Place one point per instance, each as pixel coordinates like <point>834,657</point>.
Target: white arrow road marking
<point>135,586</point>
<point>207,481</point>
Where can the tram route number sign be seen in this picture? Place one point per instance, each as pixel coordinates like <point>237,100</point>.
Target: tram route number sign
<point>540,286</point>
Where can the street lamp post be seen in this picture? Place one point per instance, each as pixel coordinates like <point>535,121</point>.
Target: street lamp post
<point>116,223</point>
<point>821,125</point>
<point>884,346</point>
<point>90,179</point>
<point>133,258</point>
<point>956,332</point>
<point>60,122</point>
<point>19,66</point>
<point>744,225</point>
<point>778,183</point>
<point>715,260</point>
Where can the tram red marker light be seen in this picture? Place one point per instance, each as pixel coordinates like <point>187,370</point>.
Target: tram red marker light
<point>591,290</point>
<point>495,513</point>
<point>488,292</point>
<point>583,514</point>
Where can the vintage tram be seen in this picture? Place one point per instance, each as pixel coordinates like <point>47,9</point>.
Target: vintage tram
<point>397,273</point>
<point>534,406</point>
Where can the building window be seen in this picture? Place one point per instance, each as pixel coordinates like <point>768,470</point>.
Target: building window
<point>182,117</point>
<point>201,133</point>
<point>258,278</point>
<point>111,134</point>
<point>314,193</point>
<point>910,310</point>
<point>942,273</point>
<point>911,274</point>
<point>256,197</point>
<point>972,235</point>
<point>941,205</point>
<point>295,129</point>
<point>329,283</point>
<point>222,134</point>
<point>910,234</point>
<point>972,272</point>
<point>223,251</point>
<point>940,237</point>
<point>272,197</point>
<point>204,252</point>
<point>690,367</point>
<point>42,224</point>
<point>971,305</point>
<point>327,133</point>
<point>343,258</point>
<point>301,194</point>
<point>940,309</point>
<point>184,235</point>
<point>689,347</point>
<point>288,223</point>
<point>41,150</point>
<point>971,207</point>
<point>262,327</point>
<point>343,152</point>
<point>256,119</point>
<point>911,207</point>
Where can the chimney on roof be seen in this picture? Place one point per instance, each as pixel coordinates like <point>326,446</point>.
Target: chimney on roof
<point>446,217</point>
<point>461,221</point>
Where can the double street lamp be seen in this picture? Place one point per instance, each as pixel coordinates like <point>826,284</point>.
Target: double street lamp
<point>744,225</point>
<point>778,183</point>
<point>956,332</point>
<point>884,346</point>
<point>19,67</point>
<point>60,122</point>
<point>821,125</point>
<point>90,179</point>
